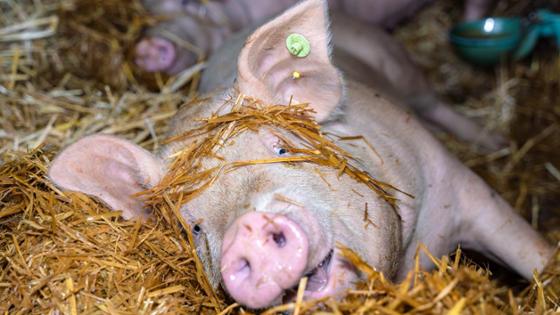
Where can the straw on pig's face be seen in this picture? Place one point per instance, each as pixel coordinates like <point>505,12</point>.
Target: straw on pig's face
<point>273,160</point>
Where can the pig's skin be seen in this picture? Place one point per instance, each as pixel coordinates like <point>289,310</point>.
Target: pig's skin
<point>451,205</point>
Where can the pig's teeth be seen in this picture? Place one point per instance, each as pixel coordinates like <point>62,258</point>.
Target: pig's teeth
<point>319,277</point>
<point>327,260</point>
<point>323,264</point>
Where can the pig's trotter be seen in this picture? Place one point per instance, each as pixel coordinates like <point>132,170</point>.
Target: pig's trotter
<point>491,226</point>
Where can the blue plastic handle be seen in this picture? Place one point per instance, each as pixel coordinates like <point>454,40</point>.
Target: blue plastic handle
<point>546,24</point>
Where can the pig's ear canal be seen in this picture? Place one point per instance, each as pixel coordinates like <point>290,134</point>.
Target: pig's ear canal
<point>110,169</point>
<point>289,57</point>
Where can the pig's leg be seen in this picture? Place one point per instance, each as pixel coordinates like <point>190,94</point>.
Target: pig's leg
<point>434,110</point>
<point>403,80</point>
<point>491,226</point>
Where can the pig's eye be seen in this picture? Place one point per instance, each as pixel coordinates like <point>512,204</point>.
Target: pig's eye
<point>280,150</point>
<point>196,230</point>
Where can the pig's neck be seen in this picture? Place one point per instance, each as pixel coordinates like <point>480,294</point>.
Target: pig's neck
<point>388,160</point>
<point>405,155</point>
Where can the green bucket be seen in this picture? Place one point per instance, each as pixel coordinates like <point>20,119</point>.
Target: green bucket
<point>487,42</point>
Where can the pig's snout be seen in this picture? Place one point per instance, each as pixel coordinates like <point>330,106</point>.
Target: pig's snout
<point>263,254</point>
<point>155,54</point>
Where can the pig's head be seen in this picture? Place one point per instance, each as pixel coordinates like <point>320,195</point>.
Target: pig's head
<point>259,228</point>
<point>189,31</point>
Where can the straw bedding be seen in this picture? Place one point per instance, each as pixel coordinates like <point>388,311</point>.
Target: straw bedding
<point>65,72</point>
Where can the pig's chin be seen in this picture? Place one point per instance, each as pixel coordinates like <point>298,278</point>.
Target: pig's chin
<point>330,278</point>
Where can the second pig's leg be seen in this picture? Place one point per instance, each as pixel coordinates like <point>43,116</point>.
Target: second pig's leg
<point>402,79</point>
<point>490,225</point>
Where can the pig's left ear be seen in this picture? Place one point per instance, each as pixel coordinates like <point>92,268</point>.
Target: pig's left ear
<point>109,168</point>
<point>290,57</point>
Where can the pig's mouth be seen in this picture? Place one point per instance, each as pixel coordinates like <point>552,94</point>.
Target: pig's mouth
<point>330,278</point>
<point>318,278</point>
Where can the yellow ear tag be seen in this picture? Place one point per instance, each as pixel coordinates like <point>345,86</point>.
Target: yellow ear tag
<point>296,75</point>
<point>298,45</point>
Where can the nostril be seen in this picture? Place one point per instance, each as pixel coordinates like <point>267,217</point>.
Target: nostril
<point>244,265</point>
<point>279,239</point>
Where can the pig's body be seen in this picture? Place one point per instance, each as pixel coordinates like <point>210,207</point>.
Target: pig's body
<point>262,227</point>
<point>411,159</point>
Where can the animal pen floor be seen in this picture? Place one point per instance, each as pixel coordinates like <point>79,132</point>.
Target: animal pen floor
<point>65,72</point>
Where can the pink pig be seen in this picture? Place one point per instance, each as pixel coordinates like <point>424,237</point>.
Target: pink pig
<point>175,44</point>
<point>256,243</point>
<point>202,28</point>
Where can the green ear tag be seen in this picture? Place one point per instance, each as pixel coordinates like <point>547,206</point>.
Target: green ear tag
<point>298,45</point>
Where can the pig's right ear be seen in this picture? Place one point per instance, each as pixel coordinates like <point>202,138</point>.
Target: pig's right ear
<point>290,57</point>
<point>110,169</point>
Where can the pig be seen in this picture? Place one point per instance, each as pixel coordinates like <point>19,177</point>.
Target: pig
<point>260,228</point>
<point>375,48</point>
<point>202,28</point>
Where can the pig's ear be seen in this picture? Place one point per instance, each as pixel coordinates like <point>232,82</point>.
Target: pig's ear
<point>268,70</point>
<point>110,169</point>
